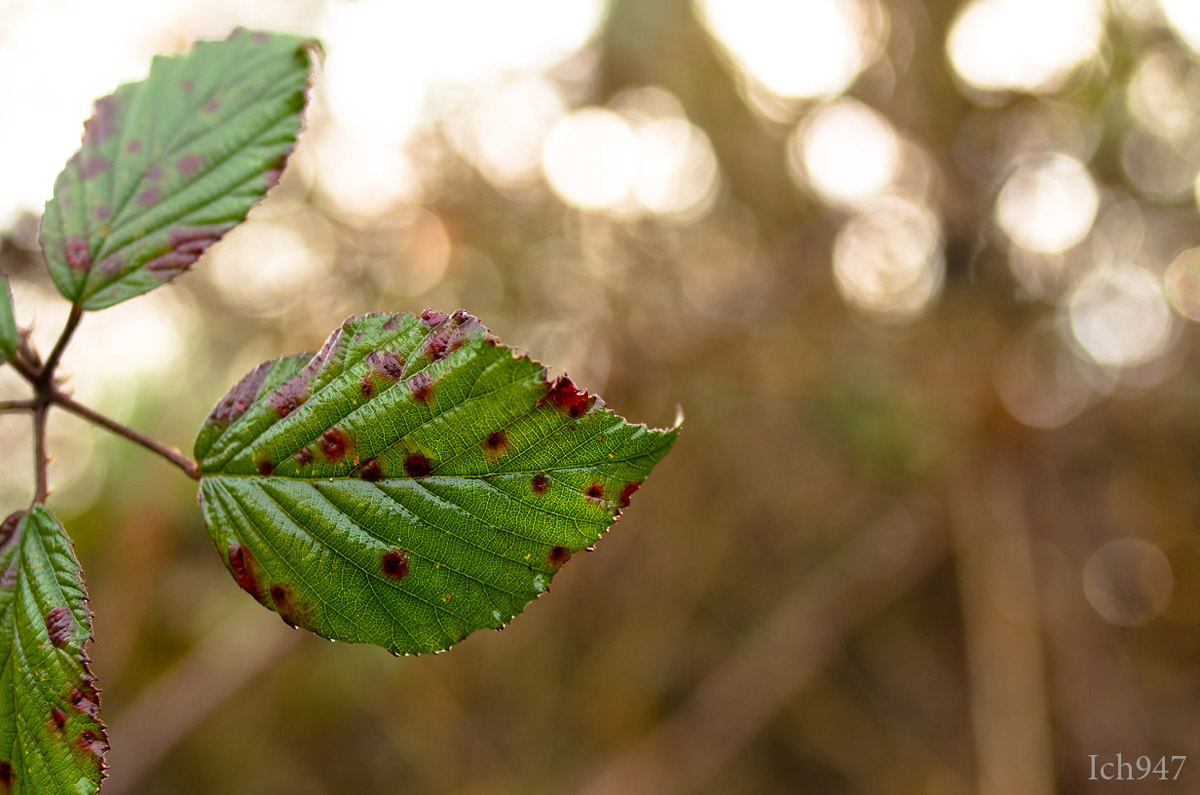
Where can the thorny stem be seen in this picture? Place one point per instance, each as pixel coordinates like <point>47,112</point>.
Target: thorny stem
<point>42,378</point>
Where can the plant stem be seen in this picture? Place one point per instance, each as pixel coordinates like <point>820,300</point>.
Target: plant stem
<point>191,468</point>
<point>18,405</point>
<point>56,353</point>
<point>41,461</point>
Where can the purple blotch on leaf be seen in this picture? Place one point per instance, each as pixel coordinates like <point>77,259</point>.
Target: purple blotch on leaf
<point>93,167</point>
<point>79,256</point>
<point>93,743</point>
<point>371,470</point>
<point>333,444</point>
<point>422,388</point>
<point>186,246</point>
<point>387,364</point>
<point>594,492</point>
<point>188,165</point>
<point>134,146</point>
<point>567,397</point>
<point>394,563</point>
<point>58,717</point>
<point>154,172</point>
<point>303,456</point>
<point>417,465</point>
<point>245,570</point>
<point>59,623</point>
<point>150,196</point>
<point>212,105</point>
<point>238,399</point>
<point>284,605</point>
<point>103,124</point>
<point>539,483</point>
<point>265,467</point>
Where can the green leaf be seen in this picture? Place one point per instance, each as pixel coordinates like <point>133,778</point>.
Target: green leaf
<point>170,164</point>
<point>10,338</point>
<point>51,737</point>
<point>412,482</point>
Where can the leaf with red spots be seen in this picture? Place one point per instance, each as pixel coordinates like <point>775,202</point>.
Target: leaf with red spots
<point>10,338</point>
<point>51,737</point>
<point>170,164</point>
<point>438,500</point>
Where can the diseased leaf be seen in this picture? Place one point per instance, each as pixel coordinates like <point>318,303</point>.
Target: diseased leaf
<point>412,482</point>
<point>10,338</point>
<point>51,737</point>
<point>170,164</point>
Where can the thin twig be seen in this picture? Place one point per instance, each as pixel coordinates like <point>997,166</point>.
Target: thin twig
<point>189,466</point>
<point>18,405</point>
<point>29,372</point>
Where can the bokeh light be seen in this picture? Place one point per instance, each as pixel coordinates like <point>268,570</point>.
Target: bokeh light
<point>1039,380</point>
<point>1129,582</point>
<point>1119,316</point>
<point>677,170</point>
<point>847,152</point>
<point>1023,45</point>
<point>590,158</point>
<point>888,259</point>
<point>1181,284</point>
<point>798,50</point>
<point>1184,18</point>
<point>1048,203</point>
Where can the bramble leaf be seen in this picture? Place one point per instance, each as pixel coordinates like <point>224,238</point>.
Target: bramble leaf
<point>51,737</point>
<point>10,338</point>
<point>412,482</point>
<point>170,164</point>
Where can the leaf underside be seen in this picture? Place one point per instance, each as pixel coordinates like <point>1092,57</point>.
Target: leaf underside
<point>51,737</point>
<point>170,164</point>
<point>412,482</point>
<point>10,338</point>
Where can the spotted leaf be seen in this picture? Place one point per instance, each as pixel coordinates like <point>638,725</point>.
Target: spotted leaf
<point>412,482</point>
<point>51,737</point>
<point>170,164</point>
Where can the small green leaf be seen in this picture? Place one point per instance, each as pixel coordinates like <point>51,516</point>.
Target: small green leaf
<point>51,737</point>
<point>10,338</point>
<point>170,164</point>
<point>412,482</point>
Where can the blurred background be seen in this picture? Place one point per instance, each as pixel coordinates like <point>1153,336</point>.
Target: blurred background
<point>920,273</point>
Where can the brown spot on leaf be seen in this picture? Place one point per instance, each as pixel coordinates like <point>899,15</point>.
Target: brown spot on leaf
<point>239,398</point>
<point>394,563</point>
<point>79,256</point>
<point>417,465</point>
<point>422,388</point>
<point>594,492</point>
<point>7,778</point>
<point>333,444</point>
<point>85,703</point>
<point>93,743</point>
<point>539,483</point>
<point>387,364</point>
<point>150,196</point>
<point>245,570</point>
<point>371,470</point>
<point>284,605</point>
<point>565,396</point>
<point>303,456</point>
<point>431,318</point>
<point>390,323</point>
<point>58,718</point>
<point>367,387</point>
<point>188,165</point>
<point>94,167</point>
<point>495,444</point>
<point>289,396</point>
<point>627,492</point>
<point>186,246</point>
<point>59,623</point>
<point>557,556</point>
<point>265,467</point>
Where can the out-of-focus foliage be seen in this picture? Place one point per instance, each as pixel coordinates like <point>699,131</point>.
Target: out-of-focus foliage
<point>923,275</point>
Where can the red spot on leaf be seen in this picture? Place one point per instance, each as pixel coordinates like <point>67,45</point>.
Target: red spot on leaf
<point>212,105</point>
<point>394,563</point>
<point>595,492</point>
<point>627,492</point>
<point>58,718</point>
<point>495,444</point>
<point>93,167</point>
<point>238,399</point>
<point>7,778</point>
<point>186,246</point>
<point>422,388</point>
<point>557,556</point>
<point>539,483</point>
<point>188,165</point>
<point>304,456</point>
<point>333,444</point>
<point>281,596</point>
<point>371,470</point>
<point>154,172</point>
<point>59,623</point>
<point>366,387</point>
<point>245,570</point>
<point>390,323</point>
<point>188,85</point>
<point>565,396</point>
<point>112,264</point>
<point>265,467</point>
<point>417,465</point>
<point>150,196</point>
<point>134,145</point>
<point>85,703</point>
<point>79,256</point>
